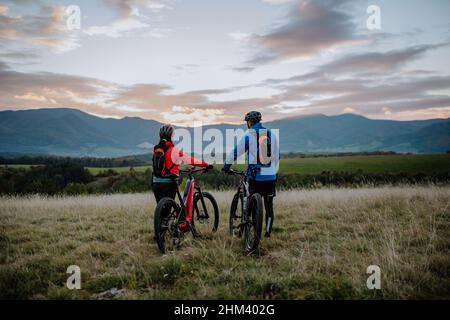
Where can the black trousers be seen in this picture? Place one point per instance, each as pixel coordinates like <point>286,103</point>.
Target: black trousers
<point>267,190</point>
<point>161,190</point>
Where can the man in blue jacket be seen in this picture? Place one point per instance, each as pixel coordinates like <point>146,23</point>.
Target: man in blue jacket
<point>262,173</point>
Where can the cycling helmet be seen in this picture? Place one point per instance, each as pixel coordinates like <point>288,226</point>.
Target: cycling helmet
<point>254,116</point>
<point>166,132</point>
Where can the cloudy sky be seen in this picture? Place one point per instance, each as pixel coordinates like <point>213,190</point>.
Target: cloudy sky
<point>182,61</point>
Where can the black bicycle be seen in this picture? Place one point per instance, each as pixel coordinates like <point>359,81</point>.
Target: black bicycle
<point>196,212</point>
<point>246,215</point>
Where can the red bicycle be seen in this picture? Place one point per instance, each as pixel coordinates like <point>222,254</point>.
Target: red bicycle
<point>196,212</point>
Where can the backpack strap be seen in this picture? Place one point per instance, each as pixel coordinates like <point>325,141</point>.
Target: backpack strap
<point>171,167</point>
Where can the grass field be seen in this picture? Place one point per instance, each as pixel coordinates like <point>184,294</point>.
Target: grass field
<point>323,241</point>
<point>367,163</point>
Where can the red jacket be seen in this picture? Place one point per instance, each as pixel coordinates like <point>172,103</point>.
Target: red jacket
<point>175,157</point>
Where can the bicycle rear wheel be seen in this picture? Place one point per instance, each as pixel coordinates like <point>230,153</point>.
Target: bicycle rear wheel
<point>167,233</point>
<point>236,214</point>
<point>206,218</point>
<point>253,225</point>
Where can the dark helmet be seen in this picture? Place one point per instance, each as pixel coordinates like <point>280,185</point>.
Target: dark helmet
<point>254,116</point>
<point>166,132</point>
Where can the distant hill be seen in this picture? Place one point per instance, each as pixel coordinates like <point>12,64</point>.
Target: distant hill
<point>355,133</point>
<point>70,132</point>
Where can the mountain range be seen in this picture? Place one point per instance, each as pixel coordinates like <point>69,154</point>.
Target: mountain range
<point>71,132</point>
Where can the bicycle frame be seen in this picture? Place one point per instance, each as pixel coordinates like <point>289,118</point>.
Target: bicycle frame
<point>244,188</point>
<point>187,201</point>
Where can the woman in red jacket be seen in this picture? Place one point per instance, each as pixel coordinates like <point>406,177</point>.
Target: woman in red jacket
<point>166,161</point>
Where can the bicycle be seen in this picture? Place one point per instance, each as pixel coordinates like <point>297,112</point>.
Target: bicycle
<point>196,212</point>
<point>246,215</point>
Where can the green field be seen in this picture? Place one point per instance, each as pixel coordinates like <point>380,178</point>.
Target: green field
<point>369,164</point>
<point>315,165</point>
<point>413,163</point>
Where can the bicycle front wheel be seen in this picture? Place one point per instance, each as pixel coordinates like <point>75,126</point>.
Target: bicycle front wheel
<point>167,234</point>
<point>236,214</point>
<point>206,214</point>
<point>253,224</point>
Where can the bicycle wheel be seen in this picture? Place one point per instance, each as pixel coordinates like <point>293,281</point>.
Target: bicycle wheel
<point>236,213</point>
<point>253,225</point>
<point>205,218</point>
<point>168,235</point>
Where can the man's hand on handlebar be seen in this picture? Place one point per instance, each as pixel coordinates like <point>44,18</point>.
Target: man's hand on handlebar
<point>231,172</point>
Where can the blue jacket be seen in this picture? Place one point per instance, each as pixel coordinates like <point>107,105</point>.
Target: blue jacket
<point>264,172</point>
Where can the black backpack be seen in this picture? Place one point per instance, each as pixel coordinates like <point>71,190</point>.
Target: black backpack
<point>159,160</point>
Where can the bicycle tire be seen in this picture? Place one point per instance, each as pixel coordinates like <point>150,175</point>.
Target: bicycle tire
<point>251,243</point>
<point>161,215</point>
<point>235,219</point>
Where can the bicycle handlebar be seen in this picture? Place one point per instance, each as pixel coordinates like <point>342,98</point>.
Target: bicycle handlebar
<point>194,170</point>
<point>239,173</point>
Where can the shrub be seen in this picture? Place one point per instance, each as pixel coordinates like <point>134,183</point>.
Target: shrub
<point>75,189</point>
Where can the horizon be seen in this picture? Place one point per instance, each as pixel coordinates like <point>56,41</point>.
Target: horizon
<point>176,61</point>
<point>225,123</point>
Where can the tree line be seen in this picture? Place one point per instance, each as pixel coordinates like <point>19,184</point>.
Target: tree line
<point>73,179</point>
<point>48,179</point>
<point>143,159</point>
<point>136,160</point>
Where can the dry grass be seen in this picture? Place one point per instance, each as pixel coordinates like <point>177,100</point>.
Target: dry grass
<point>322,243</point>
